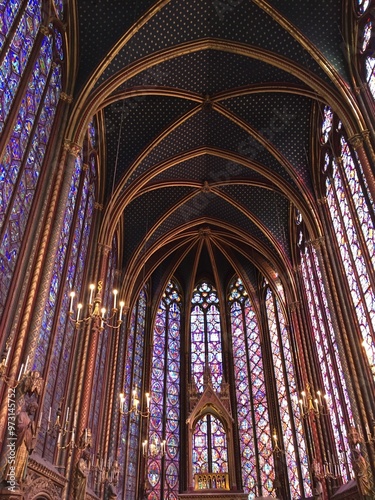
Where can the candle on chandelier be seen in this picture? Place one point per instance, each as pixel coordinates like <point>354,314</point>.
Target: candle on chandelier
<point>319,394</point>
<point>92,288</point>
<point>148,400</point>
<point>115,292</point>
<point>7,356</point>
<point>20,373</point>
<point>27,363</point>
<point>79,311</point>
<point>121,309</point>
<point>144,446</point>
<point>122,401</point>
<point>72,295</point>
<point>102,317</point>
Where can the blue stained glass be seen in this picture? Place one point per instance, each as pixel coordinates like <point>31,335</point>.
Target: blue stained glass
<point>102,352</point>
<point>205,331</point>
<point>8,12</point>
<point>64,331</point>
<point>59,44</point>
<point>165,394</point>
<point>14,155</point>
<point>250,393</point>
<point>130,426</point>
<point>59,6</point>
<point>16,58</point>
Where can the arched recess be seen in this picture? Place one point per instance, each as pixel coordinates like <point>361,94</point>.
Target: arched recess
<point>211,403</point>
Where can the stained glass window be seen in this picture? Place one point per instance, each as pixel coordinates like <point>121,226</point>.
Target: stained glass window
<point>327,123</point>
<point>331,370</point>
<point>8,11</point>
<point>73,269</point>
<point>59,6</point>
<point>210,449</point>
<point>352,215</point>
<point>366,45</point>
<point>17,56</point>
<point>162,471</point>
<point>206,349</point>
<point>252,407</point>
<point>130,425</point>
<point>21,161</point>
<point>362,5</point>
<point>289,411</point>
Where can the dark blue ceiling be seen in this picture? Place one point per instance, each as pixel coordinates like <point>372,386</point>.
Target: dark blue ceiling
<point>191,93</point>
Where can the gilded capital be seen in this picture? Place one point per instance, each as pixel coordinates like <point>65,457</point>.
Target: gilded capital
<point>74,149</point>
<point>356,140</point>
<point>322,200</point>
<point>294,306</point>
<point>44,30</point>
<point>317,243</point>
<point>66,98</point>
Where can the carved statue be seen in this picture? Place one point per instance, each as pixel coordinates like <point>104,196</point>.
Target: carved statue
<point>359,463</point>
<point>112,491</point>
<point>26,438</point>
<point>317,490</point>
<point>32,383</point>
<point>81,475</point>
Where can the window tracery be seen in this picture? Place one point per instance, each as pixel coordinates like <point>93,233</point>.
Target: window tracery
<point>206,348</point>
<point>252,406</point>
<point>21,161</point>
<point>163,471</point>
<point>353,220</point>
<point>289,411</point>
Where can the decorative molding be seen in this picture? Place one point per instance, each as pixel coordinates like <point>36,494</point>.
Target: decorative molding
<point>66,97</point>
<point>322,200</point>
<point>44,30</point>
<point>317,243</point>
<point>71,147</point>
<point>45,470</point>
<point>75,149</point>
<point>294,306</point>
<point>41,485</point>
<point>356,140</point>
<point>98,206</point>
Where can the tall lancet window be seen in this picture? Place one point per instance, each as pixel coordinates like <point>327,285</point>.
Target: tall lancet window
<point>27,114</point>
<point>252,406</point>
<point>366,43</point>
<point>210,450</point>
<point>57,332</point>
<point>130,424</point>
<point>163,444</point>
<point>351,210</point>
<point>206,348</point>
<point>289,411</point>
<point>327,350</point>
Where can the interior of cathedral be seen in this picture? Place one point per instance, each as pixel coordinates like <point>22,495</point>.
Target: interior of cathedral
<point>187,249</point>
